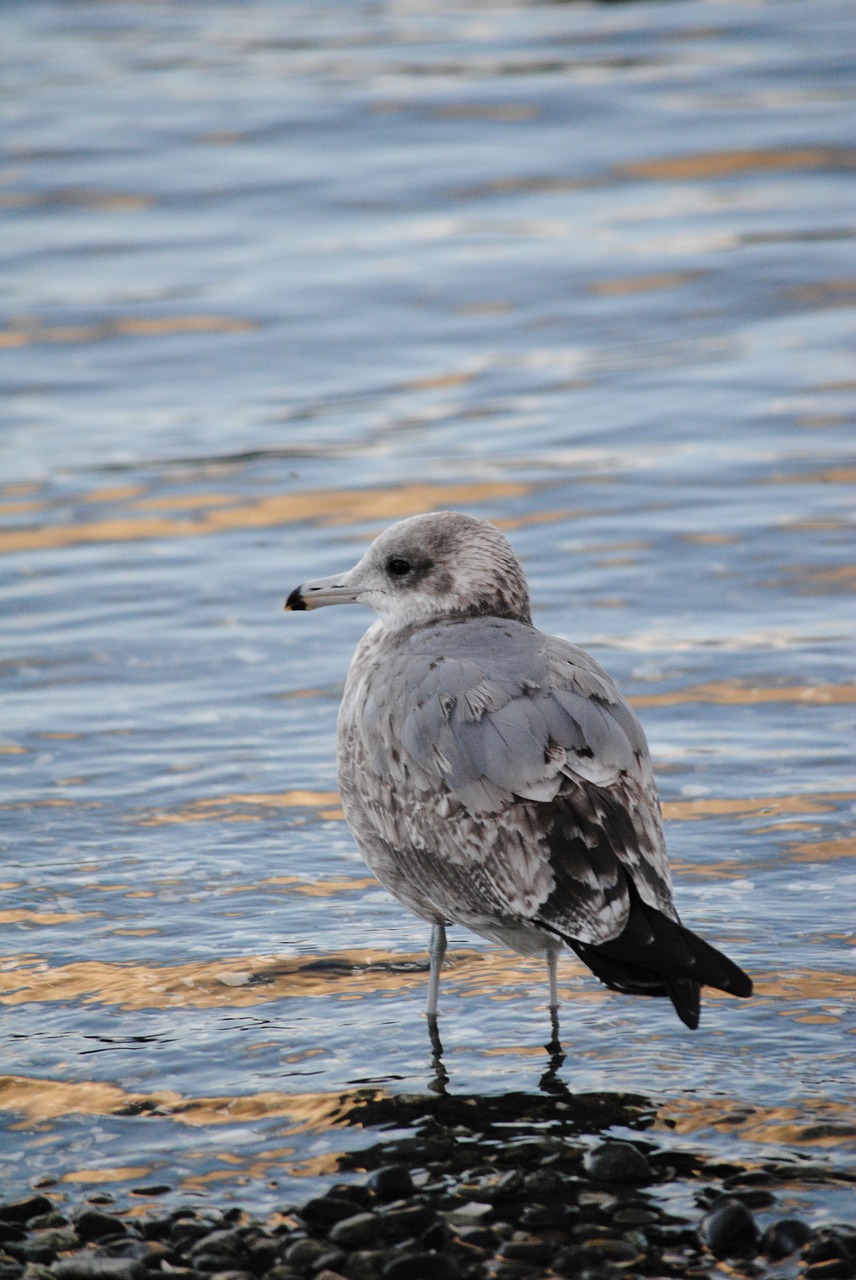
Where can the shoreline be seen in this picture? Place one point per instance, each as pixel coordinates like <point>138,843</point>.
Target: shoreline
<point>518,1187</point>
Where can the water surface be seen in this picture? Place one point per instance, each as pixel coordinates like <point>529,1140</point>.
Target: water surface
<point>275,275</point>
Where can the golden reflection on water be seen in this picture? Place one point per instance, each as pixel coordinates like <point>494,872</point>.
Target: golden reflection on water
<point>830,1124</point>
<point>737,693</point>
<point>24,916</point>
<point>38,1101</point>
<point>332,506</point>
<point>652,282</point>
<point>252,807</point>
<point>725,164</point>
<point>122,327</point>
<point>106,1177</point>
<point>825,851</point>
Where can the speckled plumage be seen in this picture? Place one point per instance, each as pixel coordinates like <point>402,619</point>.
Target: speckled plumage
<point>494,777</point>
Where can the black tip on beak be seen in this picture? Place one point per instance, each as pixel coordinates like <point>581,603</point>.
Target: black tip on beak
<point>295,603</point>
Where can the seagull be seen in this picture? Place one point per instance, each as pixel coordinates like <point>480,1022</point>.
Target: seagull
<point>493,776</point>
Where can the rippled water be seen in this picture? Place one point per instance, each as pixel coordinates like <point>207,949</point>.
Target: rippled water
<point>275,275</point>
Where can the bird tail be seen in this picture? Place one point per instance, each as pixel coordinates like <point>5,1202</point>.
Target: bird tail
<point>657,956</point>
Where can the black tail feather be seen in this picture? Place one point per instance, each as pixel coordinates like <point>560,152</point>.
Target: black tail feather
<point>656,956</point>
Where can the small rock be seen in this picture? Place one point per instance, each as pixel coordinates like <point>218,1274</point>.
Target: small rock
<point>224,1244</point>
<point>469,1215</point>
<point>539,1253</point>
<point>324,1211</point>
<point>96,1266</point>
<point>391,1182</point>
<point>365,1264</point>
<point>436,1237</point>
<point>634,1216</point>
<point>827,1246</point>
<point>482,1238</point>
<point>59,1239</point>
<point>25,1210</point>
<point>422,1266</point>
<point>355,1232</point>
<point>545,1184</point>
<point>333,1260</point>
<point>830,1269</point>
<point>93,1224</point>
<point>303,1254</point>
<point>729,1229</point>
<point>617,1162</point>
<point>402,1224</point>
<point>784,1237</point>
<point>538,1216</point>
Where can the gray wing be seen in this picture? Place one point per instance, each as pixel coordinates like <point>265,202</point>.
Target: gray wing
<point>515,764</point>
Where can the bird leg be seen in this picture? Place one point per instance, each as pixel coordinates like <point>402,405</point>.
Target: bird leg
<point>552,958</point>
<point>436,951</point>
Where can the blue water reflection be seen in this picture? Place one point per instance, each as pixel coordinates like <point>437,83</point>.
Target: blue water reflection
<point>277,275</point>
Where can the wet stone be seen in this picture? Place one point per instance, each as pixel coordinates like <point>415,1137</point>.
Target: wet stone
<point>93,1224</point>
<point>482,1238</point>
<point>436,1237</point>
<point>617,1162</point>
<point>514,1269</point>
<point>729,1229</point>
<point>25,1210</point>
<point>538,1253</point>
<point>303,1254</point>
<point>470,1214</point>
<point>391,1182</point>
<point>831,1269</point>
<point>547,1184</point>
<point>95,1266</point>
<point>184,1232</point>
<point>228,1244</point>
<point>539,1216</point>
<point>324,1211</point>
<point>422,1266</point>
<point>827,1245</point>
<point>784,1237</point>
<point>634,1216</point>
<point>402,1224</point>
<point>332,1260</point>
<point>356,1232</point>
<point>365,1264</point>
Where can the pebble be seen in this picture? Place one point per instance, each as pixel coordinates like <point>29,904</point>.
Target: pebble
<point>355,1232</point>
<point>729,1229</point>
<point>422,1266</point>
<point>324,1211</point>
<point>95,1266</point>
<point>784,1237</point>
<point>25,1210</point>
<point>617,1162</point>
<point>92,1224</point>
<point>391,1182</point>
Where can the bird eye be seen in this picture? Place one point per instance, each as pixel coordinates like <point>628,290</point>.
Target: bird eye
<point>397,567</point>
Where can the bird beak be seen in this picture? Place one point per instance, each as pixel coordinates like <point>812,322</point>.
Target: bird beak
<point>321,591</point>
